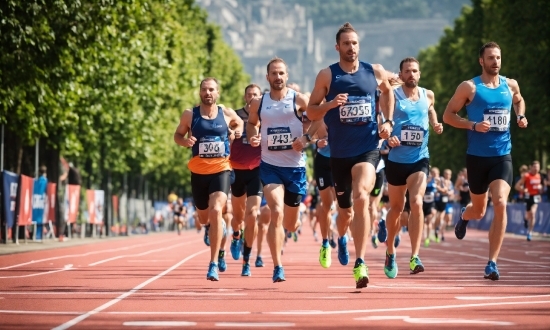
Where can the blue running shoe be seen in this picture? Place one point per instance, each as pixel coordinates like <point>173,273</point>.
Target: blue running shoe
<point>236,247</point>
<point>382,231</point>
<point>390,267</point>
<point>343,254</point>
<point>206,236</point>
<point>212,274</point>
<point>332,243</point>
<point>221,261</point>
<point>529,237</point>
<point>491,271</point>
<point>460,227</point>
<point>259,262</point>
<point>278,274</point>
<point>246,269</point>
<point>288,234</point>
<point>396,241</point>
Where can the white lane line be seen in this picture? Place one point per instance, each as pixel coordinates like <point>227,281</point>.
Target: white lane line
<point>84,316</point>
<point>481,279</point>
<point>255,324</point>
<point>159,324</point>
<point>501,297</point>
<point>79,293</point>
<point>403,286</point>
<point>154,260</point>
<point>177,313</point>
<point>140,254</point>
<point>67,267</point>
<point>330,297</point>
<point>82,254</point>
<point>7,311</point>
<point>534,252</point>
<point>399,309</point>
<point>532,263</point>
<point>527,273</point>
<point>421,320</point>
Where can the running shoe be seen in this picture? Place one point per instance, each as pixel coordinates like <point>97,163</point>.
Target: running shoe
<point>236,246</point>
<point>332,243</point>
<point>374,241</point>
<point>259,262</point>
<point>278,274</point>
<point>325,258</point>
<point>212,274</point>
<point>415,265</point>
<point>315,238</point>
<point>460,228</point>
<point>361,276</point>
<point>427,242</point>
<point>221,261</point>
<point>491,271</point>
<point>390,267</point>
<point>295,236</point>
<point>396,241</point>
<point>343,254</point>
<point>529,237</point>
<point>246,269</point>
<point>382,231</point>
<point>206,236</point>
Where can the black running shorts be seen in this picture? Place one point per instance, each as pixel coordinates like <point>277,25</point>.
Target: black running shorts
<point>484,170</point>
<point>202,185</point>
<point>247,181</point>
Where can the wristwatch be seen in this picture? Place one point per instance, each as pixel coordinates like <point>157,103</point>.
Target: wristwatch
<point>520,117</point>
<point>392,123</point>
<point>308,137</point>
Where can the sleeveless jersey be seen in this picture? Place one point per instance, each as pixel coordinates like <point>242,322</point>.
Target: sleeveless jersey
<point>324,151</point>
<point>411,127</point>
<point>493,105</point>
<point>532,183</point>
<point>352,128</point>
<point>243,155</point>
<point>429,195</point>
<point>280,125</point>
<point>211,149</point>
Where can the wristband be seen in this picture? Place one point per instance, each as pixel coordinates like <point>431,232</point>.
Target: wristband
<point>474,126</point>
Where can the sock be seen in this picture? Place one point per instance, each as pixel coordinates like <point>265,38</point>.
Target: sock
<point>358,262</point>
<point>246,253</point>
<point>221,254</point>
<point>325,242</point>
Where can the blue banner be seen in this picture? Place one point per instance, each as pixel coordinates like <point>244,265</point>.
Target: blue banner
<point>9,193</point>
<point>39,203</point>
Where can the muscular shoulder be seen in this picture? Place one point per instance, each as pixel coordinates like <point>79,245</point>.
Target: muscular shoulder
<point>513,84</point>
<point>187,114</point>
<point>301,101</point>
<point>325,75</point>
<point>379,71</point>
<point>430,94</point>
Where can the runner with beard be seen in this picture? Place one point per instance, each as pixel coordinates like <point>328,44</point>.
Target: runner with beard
<point>206,129</point>
<point>488,99</point>
<point>349,88</point>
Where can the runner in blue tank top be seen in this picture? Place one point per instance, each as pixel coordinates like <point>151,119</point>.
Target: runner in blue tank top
<point>488,99</point>
<point>349,88</point>
<point>408,161</point>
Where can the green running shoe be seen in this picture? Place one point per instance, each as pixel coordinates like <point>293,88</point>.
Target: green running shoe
<point>361,275</point>
<point>427,242</point>
<point>416,265</point>
<point>390,267</point>
<point>324,257</point>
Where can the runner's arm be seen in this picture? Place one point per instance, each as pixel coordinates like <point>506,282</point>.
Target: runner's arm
<point>387,98</point>
<point>457,102</point>
<point>253,123</point>
<point>316,108</point>
<point>183,129</point>
<point>518,102</point>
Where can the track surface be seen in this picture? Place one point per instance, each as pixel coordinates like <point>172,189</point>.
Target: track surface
<point>159,281</point>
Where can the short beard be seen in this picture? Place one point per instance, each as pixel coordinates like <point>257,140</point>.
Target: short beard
<point>411,84</point>
<point>208,102</point>
<point>277,88</point>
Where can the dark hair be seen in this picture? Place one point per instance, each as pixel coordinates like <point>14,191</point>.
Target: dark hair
<point>210,79</point>
<point>343,29</point>
<point>276,60</point>
<point>408,60</point>
<point>252,86</point>
<point>490,44</point>
<point>43,170</point>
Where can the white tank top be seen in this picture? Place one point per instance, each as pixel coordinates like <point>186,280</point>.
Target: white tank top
<point>280,125</point>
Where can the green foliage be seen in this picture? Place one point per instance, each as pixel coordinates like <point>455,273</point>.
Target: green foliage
<point>106,81</point>
<point>525,57</point>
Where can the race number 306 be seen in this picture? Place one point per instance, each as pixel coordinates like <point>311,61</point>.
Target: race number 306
<point>211,147</point>
<point>279,138</point>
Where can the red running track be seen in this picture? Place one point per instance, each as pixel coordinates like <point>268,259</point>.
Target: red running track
<point>159,281</point>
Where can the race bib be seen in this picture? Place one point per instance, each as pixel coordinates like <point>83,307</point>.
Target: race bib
<point>357,110</point>
<point>536,199</point>
<point>498,118</point>
<point>412,135</point>
<point>279,138</point>
<point>211,147</point>
<point>445,199</point>
<point>429,198</point>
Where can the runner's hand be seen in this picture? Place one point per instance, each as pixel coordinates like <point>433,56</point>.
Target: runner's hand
<point>299,144</point>
<point>238,134</point>
<point>190,141</point>
<point>340,99</point>
<point>255,140</point>
<point>483,126</point>
<point>321,143</point>
<point>384,131</point>
<point>522,123</point>
<point>438,128</point>
<point>393,141</point>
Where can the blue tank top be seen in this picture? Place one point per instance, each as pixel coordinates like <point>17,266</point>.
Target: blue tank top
<point>211,135</point>
<point>429,195</point>
<point>352,128</point>
<point>493,105</point>
<point>411,127</point>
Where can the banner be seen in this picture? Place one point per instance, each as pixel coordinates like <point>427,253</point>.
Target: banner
<point>90,202</point>
<point>72,201</point>
<point>99,206</point>
<point>116,217</point>
<point>39,199</point>
<point>50,202</point>
<point>9,200</point>
<point>24,216</point>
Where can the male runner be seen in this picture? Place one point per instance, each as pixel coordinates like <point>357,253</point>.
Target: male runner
<point>206,129</point>
<point>282,168</point>
<point>408,161</point>
<point>488,99</point>
<point>247,188</point>
<point>531,186</point>
<point>349,88</point>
